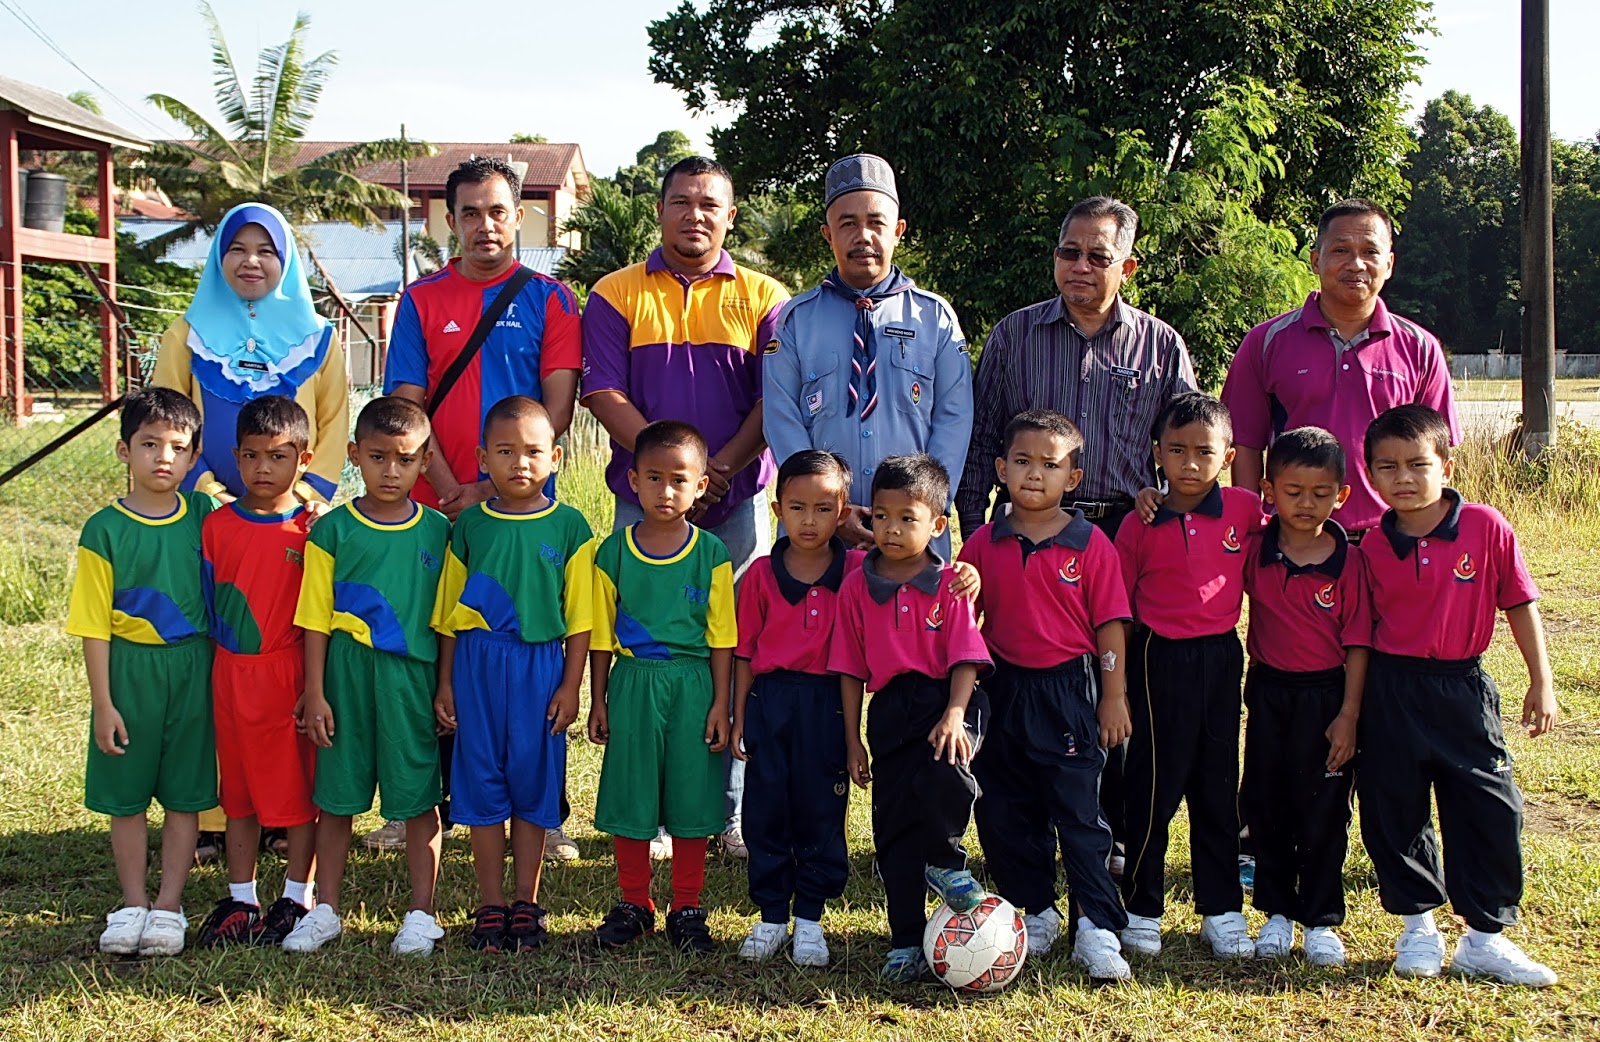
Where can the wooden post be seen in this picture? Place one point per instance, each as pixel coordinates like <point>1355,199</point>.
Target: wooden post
<point>11,381</point>
<point>405,216</point>
<point>1538,236</point>
<point>108,274</point>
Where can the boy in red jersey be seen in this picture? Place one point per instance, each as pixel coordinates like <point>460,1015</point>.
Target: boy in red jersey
<point>253,557</point>
<point>1440,570</point>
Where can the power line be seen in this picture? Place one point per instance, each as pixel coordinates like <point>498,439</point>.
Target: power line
<point>33,27</point>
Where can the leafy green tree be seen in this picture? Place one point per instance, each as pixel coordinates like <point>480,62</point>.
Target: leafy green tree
<point>618,229</point>
<point>521,138</point>
<point>1576,167</point>
<point>999,115</point>
<point>777,233</point>
<point>1459,248</point>
<point>61,331</point>
<point>652,162</point>
<point>253,155</point>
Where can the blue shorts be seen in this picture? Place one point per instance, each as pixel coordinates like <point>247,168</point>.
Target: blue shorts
<point>507,763</point>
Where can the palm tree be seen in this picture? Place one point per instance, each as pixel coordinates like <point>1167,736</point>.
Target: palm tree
<point>255,157</point>
<point>618,229</point>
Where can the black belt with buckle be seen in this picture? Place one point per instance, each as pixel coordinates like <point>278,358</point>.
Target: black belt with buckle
<point>1094,510</point>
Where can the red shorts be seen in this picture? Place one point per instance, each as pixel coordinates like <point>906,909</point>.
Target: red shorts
<point>265,764</point>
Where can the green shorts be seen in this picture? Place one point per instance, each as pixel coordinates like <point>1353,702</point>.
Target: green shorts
<point>163,692</point>
<point>383,733</point>
<point>657,769</point>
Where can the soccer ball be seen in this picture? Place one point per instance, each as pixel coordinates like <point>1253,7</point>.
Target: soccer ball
<point>976,952</point>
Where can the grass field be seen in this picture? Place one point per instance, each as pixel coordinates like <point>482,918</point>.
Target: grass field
<point>56,884</point>
<point>1471,389</point>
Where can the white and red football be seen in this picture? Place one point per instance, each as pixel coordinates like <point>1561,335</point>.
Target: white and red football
<point>977,952</point>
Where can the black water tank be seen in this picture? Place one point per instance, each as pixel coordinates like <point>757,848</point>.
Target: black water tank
<point>46,208</point>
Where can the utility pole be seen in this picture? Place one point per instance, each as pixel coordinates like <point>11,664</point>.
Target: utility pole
<point>1538,236</point>
<point>405,216</point>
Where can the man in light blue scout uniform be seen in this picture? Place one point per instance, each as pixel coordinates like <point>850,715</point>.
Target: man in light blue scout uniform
<point>867,365</point>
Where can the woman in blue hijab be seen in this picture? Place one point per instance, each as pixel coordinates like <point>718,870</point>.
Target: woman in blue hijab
<point>252,331</point>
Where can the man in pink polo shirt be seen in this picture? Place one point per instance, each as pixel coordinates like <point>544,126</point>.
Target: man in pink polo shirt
<point>1440,570</point>
<point>1185,577</point>
<point>1337,361</point>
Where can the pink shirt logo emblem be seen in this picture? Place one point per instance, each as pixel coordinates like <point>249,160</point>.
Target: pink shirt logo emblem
<point>935,619</point>
<point>1230,540</point>
<point>1070,571</point>
<point>1324,598</point>
<point>1466,571</point>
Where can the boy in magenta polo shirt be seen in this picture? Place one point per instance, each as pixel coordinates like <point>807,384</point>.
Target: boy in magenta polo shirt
<point>1054,609</point>
<point>788,719</point>
<point>1310,634</point>
<point>922,664</point>
<point>1185,577</point>
<point>1440,569</point>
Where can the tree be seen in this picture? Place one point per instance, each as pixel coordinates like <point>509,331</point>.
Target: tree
<point>618,229</point>
<point>652,162</point>
<point>519,138</point>
<point>1577,230</point>
<point>1457,268</point>
<point>999,115</point>
<point>256,158</point>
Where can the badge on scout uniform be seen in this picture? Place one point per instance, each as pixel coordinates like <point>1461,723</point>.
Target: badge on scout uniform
<point>814,402</point>
<point>916,392</point>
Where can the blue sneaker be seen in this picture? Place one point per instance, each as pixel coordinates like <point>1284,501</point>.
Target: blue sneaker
<point>905,966</point>
<point>1247,871</point>
<point>956,887</point>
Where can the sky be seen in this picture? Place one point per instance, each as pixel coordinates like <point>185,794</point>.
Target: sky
<point>578,71</point>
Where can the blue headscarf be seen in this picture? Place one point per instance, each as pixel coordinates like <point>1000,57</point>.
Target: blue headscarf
<point>236,357</point>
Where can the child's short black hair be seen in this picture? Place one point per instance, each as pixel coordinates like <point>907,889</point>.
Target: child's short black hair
<point>516,407</point>
<point>1046,421</point>
<point>1306,447</point>
<point>159,405</point>
<point>671,434</point>
<point>1409,423</point>
<point>814,462</point>
<point>919,476</point>
<point>1195,407</point>
<point>271,416</point>
<point>393,417</point>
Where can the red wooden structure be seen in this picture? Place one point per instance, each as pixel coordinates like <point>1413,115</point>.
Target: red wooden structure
<point>34,118</point>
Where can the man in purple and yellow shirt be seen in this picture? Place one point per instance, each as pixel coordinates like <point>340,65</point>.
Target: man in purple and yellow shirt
<point>1337,361</point>
<point>680,337</point>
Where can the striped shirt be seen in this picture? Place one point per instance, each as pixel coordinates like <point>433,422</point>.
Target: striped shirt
<point>1112,385</point>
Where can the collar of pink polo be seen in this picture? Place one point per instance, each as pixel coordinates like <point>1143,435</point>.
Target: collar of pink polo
<point>1075,535</point>
<point>793,590</point>
<point>1333,567</point>
<point>883,589</point>
<point>1211,506</point>
<point>1449,527</point>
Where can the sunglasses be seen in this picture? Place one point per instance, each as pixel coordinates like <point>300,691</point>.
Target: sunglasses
<point>1072,255</point>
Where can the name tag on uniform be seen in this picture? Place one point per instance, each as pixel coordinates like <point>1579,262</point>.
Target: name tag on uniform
<point>903,334</point>
<point>1122,372</point>
<point>254,367</point>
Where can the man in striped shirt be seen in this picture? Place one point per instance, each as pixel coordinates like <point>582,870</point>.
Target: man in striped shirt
<point>1089,355</point>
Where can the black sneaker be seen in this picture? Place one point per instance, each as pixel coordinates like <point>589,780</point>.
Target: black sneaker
<point>230,922</point>
<point>624,924</point>
<point>489,929</point>
<point>283,915</point>
<point>688,931</point>
<point>528,928</point>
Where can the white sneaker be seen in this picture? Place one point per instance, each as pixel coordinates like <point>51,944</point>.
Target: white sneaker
<point>558,846</point>
<point>416,935</point>
<point>163,933</point>
<point>1419,953</point>
<point>1501,960</point>
<point>1099,952</point>
<point>765,941</point>
<point>810,947</point>
<point>661,846</point>
<point>123,929</point>
<point>1276,938</point>
<point>392,836</point>
<point>1142,935</point>
<point>733,842</point>
<point>316,928</point>
<point>1323,947</point>
<point>1229,935</point>
<point>1043,929</point>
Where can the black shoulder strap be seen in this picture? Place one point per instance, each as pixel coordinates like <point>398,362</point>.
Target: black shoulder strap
<point>480,333</point>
